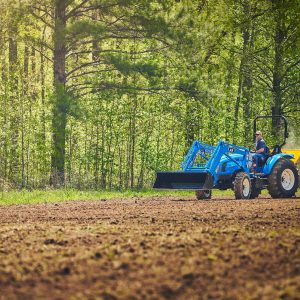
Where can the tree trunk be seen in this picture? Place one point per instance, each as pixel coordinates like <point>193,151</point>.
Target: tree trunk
<point>237,106</point>
<point>190,128</point>
<point>60,105</point>
<point>228,89</point>
<point>245,78</point>
<point>4,140</point>
<point>44,167</point>
<point>128,152</point>
<point>24,97</point>
<point>120,166</point>
<point>13,95</point>
<point>133,132</point>
<point>144,152</point>
<point>96,168</point>
<point>103,160</point>
<point>248,88</point>
<point>280,34</point>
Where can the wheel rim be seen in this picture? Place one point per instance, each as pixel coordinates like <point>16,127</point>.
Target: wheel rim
<point>246,187</point>
<point>287,179</point>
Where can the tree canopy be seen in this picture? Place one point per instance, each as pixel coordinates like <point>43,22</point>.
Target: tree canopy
<point>103,93</point>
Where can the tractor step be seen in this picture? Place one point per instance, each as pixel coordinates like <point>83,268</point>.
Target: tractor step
<point>183,180</point>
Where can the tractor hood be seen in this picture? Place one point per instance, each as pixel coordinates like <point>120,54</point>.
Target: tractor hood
<point>237,157</point>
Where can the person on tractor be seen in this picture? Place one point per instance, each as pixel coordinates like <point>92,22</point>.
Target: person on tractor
<point>261,149</point>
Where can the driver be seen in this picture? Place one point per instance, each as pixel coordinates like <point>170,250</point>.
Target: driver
<point>261,149</point>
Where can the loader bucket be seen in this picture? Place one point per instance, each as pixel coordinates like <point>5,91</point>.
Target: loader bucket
<point>183,181</point>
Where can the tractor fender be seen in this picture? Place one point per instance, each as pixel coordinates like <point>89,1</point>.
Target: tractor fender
<point>273,160</point>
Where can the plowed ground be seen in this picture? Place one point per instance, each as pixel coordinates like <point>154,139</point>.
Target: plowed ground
<point>155,248</point>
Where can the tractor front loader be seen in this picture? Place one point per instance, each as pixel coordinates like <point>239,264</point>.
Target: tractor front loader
<point>228,166</point>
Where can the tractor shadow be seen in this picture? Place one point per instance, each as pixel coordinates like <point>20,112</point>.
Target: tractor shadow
<point>202,200</point>
<point>233,199</point>
<point>184,200</point>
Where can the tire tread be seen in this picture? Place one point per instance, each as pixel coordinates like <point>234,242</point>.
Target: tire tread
<point>273,187</point>
<point>200,195</point>
<point>237,185</point>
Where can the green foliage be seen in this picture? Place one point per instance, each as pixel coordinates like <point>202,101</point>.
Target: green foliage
<point>127,67</point>
<point>138,82</point>
<point>86,28</point>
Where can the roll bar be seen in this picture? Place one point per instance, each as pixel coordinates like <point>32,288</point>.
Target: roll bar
<point>286,134</point>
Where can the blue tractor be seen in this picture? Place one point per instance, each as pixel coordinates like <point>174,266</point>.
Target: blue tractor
<point>228,166</point>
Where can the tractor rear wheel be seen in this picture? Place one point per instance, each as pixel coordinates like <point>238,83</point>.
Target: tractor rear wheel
<point>242,186</point>
<point>203,194</point>
<point>283,180</point>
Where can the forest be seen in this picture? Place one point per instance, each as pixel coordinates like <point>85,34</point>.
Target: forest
<point>101,94</point>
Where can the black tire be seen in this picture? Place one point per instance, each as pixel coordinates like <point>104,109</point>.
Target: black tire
<point>242,186</point>
<point>283,180</point>
<point>203,194</point>
<point>255,192</point>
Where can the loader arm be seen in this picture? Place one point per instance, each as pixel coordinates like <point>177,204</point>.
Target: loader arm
<point>196,177</point>
<point>224,148</point>
<point>197,148</point>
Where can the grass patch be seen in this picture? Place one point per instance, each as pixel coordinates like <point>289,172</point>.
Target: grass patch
<point>45,196</point>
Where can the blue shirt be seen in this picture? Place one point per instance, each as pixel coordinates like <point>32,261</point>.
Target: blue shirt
<point>261,144</point>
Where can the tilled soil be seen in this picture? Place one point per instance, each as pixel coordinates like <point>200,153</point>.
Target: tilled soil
<point>155,248</point>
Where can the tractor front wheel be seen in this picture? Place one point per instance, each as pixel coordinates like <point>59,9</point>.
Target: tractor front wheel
<point>203,194</point>
<point>242,186</point>
<point>283,180</point>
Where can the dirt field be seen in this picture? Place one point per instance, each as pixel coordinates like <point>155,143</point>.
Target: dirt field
<point>158,248</point>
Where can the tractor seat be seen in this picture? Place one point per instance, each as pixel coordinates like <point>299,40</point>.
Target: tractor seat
<point>276,150</point>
